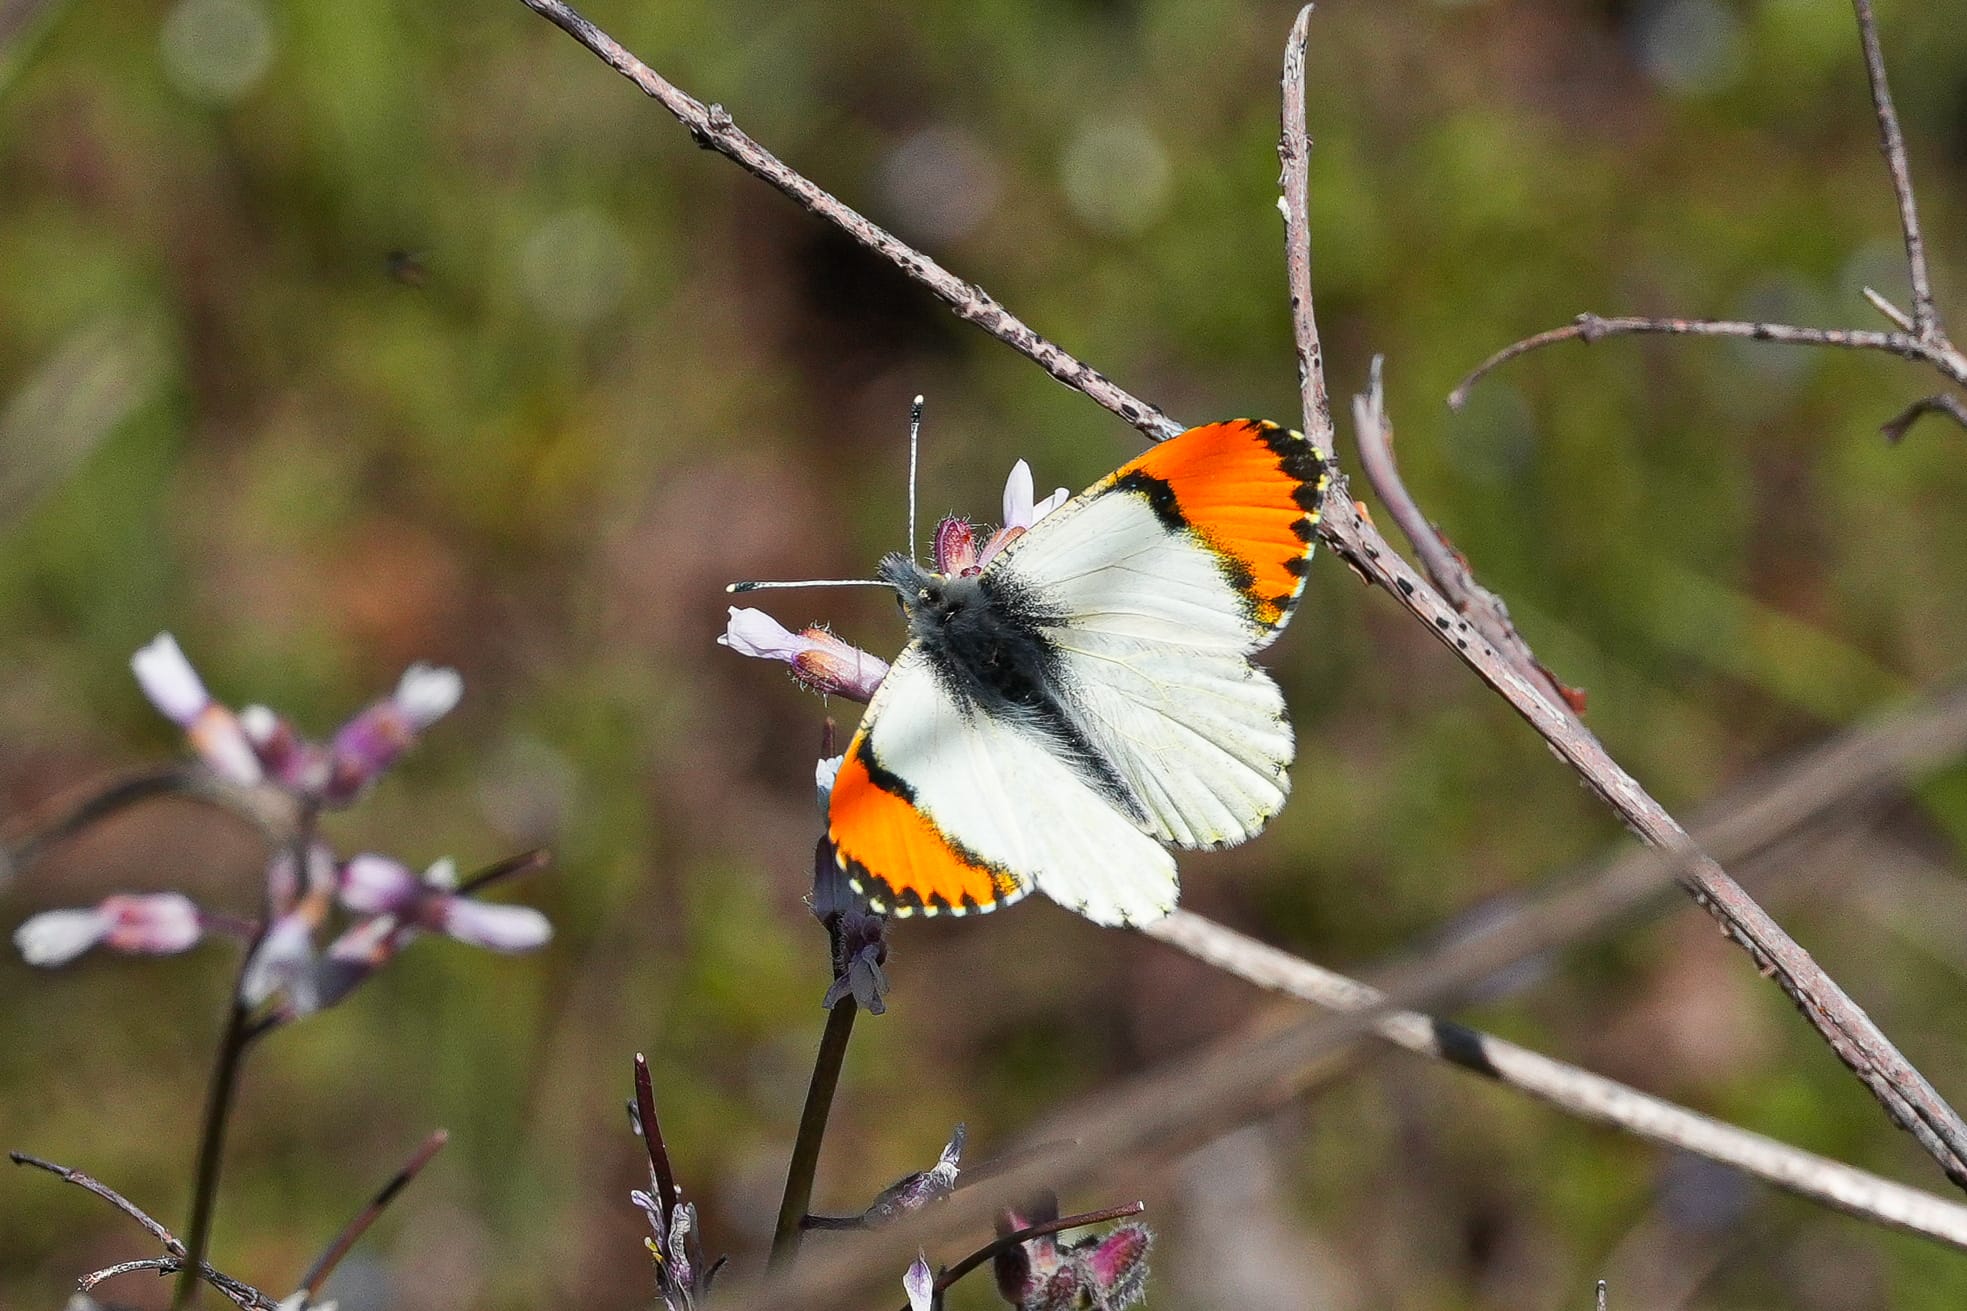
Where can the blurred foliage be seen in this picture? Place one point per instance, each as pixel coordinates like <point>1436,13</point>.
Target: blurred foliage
<point>334,336</point>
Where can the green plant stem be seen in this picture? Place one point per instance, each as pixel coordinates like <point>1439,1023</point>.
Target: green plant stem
<point>800,1171</point>
<point>211,1147</point>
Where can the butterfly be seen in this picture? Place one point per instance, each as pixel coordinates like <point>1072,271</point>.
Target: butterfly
<point>1085,699</point>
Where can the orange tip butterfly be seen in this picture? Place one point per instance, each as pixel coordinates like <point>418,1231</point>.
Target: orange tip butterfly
<point>1083,699</point>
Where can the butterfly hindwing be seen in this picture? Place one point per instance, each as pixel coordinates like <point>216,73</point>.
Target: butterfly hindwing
<point>941,808</point>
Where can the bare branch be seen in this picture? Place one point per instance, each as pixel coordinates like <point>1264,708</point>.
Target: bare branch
<point>1445,567</point>
<point>240,1293</point>
<point>324,1265</point>
<point>1572,1090</point>
<point>108,1194</point>
<point>1940,403</point>
<point>713,129</point>
<point>1925,319</point>
<point>268,810</point>
<point>1294,157</point>
<point>1921,337</point>
<point>1906,1095</point>
<point>1589,328</point>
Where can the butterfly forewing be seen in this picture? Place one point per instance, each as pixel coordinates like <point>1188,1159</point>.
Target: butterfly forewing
<point>1162,579</point>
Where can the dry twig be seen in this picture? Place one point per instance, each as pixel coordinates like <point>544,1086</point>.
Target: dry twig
<point>238,1292</point>
<point>1921,337</point>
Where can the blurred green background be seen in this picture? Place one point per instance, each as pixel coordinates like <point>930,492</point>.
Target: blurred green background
<point>335,336</point>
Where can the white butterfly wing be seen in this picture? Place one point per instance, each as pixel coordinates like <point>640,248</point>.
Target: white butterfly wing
<point>942,808</point>
<point>1156,585</point>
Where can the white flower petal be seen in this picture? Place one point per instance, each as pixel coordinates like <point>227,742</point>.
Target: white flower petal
<point>919,1284</point>
<point>443,873</point>
<point>1049,504</point>
<point>755,633</point>
<point>259,724</point>
<point>56,937</point>
<point>285,959</point>
<point>488,924</point>
<point>220,740</point>
<point>1017,496</point>
<point>168,679</point>
<point>425,694</point>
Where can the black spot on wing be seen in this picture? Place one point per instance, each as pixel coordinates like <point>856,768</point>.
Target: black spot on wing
<point>1160,498</point>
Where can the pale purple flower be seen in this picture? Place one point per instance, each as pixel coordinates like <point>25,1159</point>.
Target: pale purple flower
<point>819,660</point>
<point>678,1281</point>
<point>152,924</point>
<point>376,885</point>
<point>257,744</point>
<point>174,687</point>
<point>920,1284</point>
<point>373,740</point>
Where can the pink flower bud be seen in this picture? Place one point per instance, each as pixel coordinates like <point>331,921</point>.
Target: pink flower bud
<point>956,547</point>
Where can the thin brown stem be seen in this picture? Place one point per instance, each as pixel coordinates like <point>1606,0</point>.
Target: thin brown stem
<point>239,1037</point>
<point>267,810</point>
<point>1891,141</point>
<point>803,1168</point>
<point>1941,403</point>
<point>324,1265</point>
<point>1589,328</point>
<point>1445,567</point>
<point>713,129</point>
<point>240,1293</point>
<point>108,1194</point>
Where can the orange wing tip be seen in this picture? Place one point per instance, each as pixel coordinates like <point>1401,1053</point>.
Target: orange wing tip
<point>893,853</point>
<point>1252,491</point>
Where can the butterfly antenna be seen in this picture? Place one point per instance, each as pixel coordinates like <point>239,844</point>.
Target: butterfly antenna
<point>914,448</point>
<point>805,582</point>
